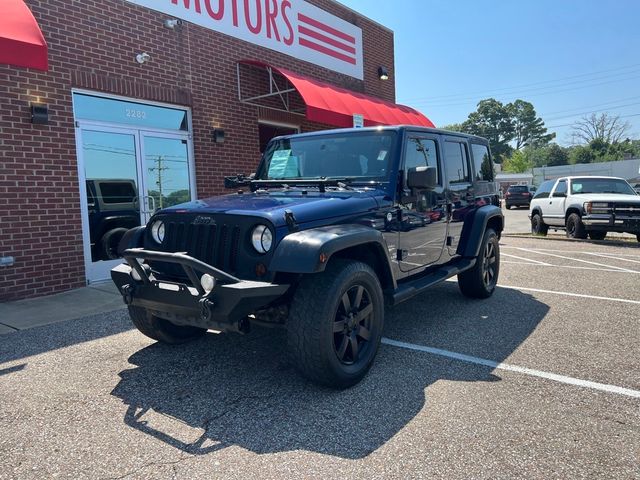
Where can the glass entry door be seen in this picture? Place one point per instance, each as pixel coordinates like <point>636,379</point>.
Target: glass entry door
<point>126,175</point>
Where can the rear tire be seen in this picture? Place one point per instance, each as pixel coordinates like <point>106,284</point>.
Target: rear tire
<point>638,237</point>
<point>538,227</point>
<point>335,324</point>
<point>481,280</point>
<point>575,227</point>
<point>597,235</point>
<point>162,330</point>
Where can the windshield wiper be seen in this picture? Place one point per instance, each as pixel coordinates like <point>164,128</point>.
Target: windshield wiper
<point>321,183</point>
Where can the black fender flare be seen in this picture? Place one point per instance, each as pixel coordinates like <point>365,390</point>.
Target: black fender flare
<point>300,252</point>
<point>474,231</point>
<point>133,238</point>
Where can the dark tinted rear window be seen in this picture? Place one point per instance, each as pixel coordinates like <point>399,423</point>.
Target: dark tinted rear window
<point>518,189</point>
<point>117,192</point>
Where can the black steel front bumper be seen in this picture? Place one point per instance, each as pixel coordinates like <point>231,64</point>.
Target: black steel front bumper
<point>225,308</point>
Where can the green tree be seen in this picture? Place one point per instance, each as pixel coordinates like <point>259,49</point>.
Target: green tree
<point>581,154</point>
<point>517,163</point>
<point>493,121</point>
<point>528,128</point>
<point>556,155</point>
<point>453,127</point>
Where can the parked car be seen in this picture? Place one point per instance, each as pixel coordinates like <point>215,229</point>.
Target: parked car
<point>335,223</point>
<point>586,206</point>
<point>518,196</point>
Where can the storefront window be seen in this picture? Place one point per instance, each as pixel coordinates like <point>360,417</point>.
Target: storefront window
<point>88,107</point>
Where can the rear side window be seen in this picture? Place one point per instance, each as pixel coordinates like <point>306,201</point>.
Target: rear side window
<point>456,162</point>
<point>545,189</point>
<point>117,192</point>
<point>483,166</point>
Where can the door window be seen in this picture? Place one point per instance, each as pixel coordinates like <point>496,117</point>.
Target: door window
<point>421,152</point>
<point>545,189</point>
<point>167,170</point>
<point>561,189</point>
<point>456,162</point>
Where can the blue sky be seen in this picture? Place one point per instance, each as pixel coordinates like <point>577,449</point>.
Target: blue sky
<point>567,57</point>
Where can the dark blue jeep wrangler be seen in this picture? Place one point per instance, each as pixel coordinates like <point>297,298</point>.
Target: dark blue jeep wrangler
<point>335,223</point>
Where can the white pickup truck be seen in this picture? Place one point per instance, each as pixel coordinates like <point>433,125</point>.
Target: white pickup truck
<point>585,206</point>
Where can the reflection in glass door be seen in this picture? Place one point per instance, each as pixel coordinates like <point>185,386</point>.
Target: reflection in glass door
<point>166,165</point>
<point>112,180</point>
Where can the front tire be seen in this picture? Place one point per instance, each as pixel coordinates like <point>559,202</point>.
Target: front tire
<point>575,227</point>
<point>538,227</point>
<point>335,324</point>
<point>162,330</point>
<point>110,241</point>
<point>481,280</point>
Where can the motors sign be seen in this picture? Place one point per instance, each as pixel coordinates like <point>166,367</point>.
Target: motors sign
<point>293,27</point>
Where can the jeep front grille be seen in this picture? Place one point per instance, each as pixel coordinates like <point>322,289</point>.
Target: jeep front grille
<point>214,244</point>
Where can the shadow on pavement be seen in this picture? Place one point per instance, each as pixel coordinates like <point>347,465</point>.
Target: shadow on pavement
<point>47,338</point>
<point>241,391</point>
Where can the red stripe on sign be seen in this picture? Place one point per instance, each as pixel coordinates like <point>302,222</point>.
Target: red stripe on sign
<point>327,51</point>
<point>326,28</point>
<point>325,39</point>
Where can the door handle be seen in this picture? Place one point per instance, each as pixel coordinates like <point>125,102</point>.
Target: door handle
<point>148,200</point>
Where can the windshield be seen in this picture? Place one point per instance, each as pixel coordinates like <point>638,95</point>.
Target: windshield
<point>364,156</point>
<point>601,185</point>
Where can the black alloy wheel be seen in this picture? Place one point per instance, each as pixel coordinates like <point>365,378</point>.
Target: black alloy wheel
<point>480,280</point>
<point>489,264</point>
<point>352,325</point>
<point>575,227</point>
<point>335,323</point>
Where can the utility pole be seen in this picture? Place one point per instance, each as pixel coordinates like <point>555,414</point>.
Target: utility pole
<point>159,168</point>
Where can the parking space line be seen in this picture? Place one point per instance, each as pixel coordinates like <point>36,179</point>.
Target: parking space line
<point>567,266</point>
<point>569,294</point>
<point>522,258</point>
<point>612,257</point>
<point>577,260</point>
<point>569,251</point>
<point>603,387</point>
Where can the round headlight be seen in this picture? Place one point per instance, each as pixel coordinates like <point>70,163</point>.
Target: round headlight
<point>157,231</point>
<point>262,239</point>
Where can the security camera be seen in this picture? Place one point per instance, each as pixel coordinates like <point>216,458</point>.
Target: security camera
<point>143,58</point>
<point>172,23</point>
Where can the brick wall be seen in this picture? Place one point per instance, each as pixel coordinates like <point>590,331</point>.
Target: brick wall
<point>92,45</point>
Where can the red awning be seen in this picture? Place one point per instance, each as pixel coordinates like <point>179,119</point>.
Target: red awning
<point>21,41</point>
<point>333,105</point>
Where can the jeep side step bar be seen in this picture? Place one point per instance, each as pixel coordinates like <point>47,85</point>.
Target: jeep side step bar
<point>409,289</point>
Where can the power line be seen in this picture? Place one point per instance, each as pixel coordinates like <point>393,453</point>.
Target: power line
<point>597,72</point>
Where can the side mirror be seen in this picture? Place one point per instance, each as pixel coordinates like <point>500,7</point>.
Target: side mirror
<point>422,178</point>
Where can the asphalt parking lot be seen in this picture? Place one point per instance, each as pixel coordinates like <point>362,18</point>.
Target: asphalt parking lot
<point>540,381</point>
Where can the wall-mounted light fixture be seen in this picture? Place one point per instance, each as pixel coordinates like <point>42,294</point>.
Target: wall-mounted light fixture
<point>143,57</point>
<point>172,23</point>
<point>39,113</point>
<point>383,73</point>
<point>218,135</point>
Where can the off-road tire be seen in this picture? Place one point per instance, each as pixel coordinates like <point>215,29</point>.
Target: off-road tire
<point>162,330</point>
<point>312,339</point>
<point>507,206</point>
<point>575,227</point>
<point>109,243</point>
<point>598,235</point>
<point>481,280</point>
<point>538,227</point>
<point>638,237</point>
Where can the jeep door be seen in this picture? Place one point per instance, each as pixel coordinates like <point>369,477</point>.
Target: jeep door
<point>422,218</point>
<point>460,192</point>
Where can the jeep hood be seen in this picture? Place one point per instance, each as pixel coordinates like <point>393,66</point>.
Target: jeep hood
<point>310,207</point>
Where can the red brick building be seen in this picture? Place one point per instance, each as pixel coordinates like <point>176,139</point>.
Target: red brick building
<point>144,107</point>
